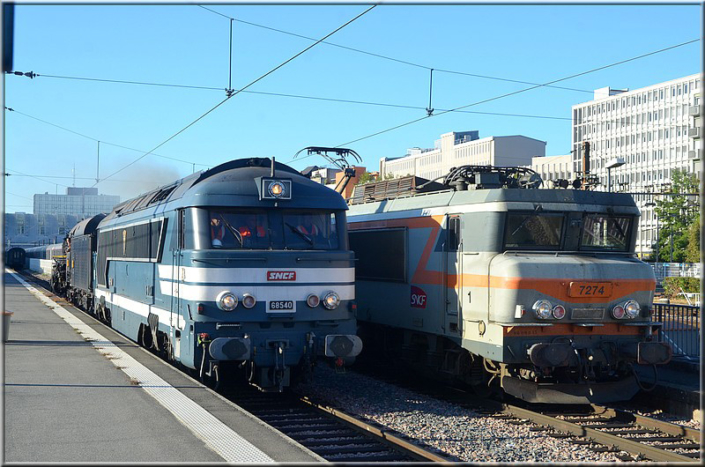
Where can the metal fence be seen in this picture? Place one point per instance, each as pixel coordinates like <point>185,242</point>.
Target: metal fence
<point>663,270</point>
<point>681,328</point>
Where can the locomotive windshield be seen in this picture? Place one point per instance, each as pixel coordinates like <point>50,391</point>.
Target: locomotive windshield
<point>277,230</point>
<point>533,231</point>
<point>604,232</point>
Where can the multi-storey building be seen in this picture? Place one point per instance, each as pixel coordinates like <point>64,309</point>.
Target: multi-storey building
<point>463,148</point>
<point>553,168</point>
<point>22,229</point>
<point>637,138</point>
<point>81,202</point>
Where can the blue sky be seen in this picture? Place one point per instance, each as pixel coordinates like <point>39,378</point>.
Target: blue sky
<point>188,45</point>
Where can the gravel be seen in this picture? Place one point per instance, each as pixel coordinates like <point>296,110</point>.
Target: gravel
<point>461,433</point>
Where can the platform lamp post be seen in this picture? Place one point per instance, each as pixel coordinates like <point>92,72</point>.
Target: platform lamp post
<point>613,164</point>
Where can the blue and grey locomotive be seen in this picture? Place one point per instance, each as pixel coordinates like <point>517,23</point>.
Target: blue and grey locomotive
<point>242,267</point>
<point>486,280</point>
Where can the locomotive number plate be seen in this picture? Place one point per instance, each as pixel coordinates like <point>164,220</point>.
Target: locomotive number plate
<point>280,306</point>
<point>590,289</point>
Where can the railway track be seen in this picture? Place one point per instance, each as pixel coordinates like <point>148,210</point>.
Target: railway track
<point>629,436</point>
<point>642,438</point>
<point>330,432</point>
<point>340,437</point>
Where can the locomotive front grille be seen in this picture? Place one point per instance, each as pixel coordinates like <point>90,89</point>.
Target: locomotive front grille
<point>587,313</point>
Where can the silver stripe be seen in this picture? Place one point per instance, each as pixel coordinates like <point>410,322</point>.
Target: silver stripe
<point>255,275</point>
<point>283,291</point>
<point>224,441</point>
<point>136,307</point>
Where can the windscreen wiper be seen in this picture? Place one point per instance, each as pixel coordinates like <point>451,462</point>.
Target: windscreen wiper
<point>300,233</point>
<point>232,230</point>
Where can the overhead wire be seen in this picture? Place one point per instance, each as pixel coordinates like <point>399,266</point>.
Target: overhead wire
<point>100,141</point>
<point>316,98</point>
<point>593,70</point>
<point>386,57</point>
<point>229,96</point>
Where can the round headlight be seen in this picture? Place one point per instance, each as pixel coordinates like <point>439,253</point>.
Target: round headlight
<point>226,301</point>
<point>558,312</point>
<point>248,301</point>
<point>632,309</point>
<point>276,189</point>
<point>313,300</point>
<point>542,308</point>
<point>618,312</point>
<point>331,300</point>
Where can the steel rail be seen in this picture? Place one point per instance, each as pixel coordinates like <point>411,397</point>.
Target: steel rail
<point>649,452</point>
<point>382,435</point>
<point>651,423</point>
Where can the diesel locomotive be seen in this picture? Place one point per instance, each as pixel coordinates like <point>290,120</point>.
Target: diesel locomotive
<point>484,279</point>
<point>242,269</point>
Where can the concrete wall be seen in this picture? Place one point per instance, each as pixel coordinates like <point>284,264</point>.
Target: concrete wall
<point>40,265</point>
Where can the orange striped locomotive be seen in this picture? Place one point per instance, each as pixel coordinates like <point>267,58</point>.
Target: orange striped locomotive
<point>484,280</point>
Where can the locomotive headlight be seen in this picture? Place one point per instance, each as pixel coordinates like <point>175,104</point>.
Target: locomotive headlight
<point>313,300</point>
<point>632,308</point>
<point>558,312</point>
<point>226,301</point>
<point>542,308</point>
<point>331,300</point>
<point>618,312</point>
<point>248,301</point>
<point>276,189</point>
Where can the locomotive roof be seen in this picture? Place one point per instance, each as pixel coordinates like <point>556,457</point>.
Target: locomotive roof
<point>506,195</point>
<point>235,184</point>
<point>86,226</point>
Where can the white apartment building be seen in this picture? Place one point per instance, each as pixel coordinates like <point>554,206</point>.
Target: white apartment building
<point>653,130</point>
<point>463,148</point>
<point>553,168</point>
<point>80,202</point>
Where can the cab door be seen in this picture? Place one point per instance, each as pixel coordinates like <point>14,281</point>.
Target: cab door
<point>453,274</point>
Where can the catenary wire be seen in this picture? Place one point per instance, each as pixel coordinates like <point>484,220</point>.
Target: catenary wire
<point>242,89</point>
<point>101,141</point>
<point>298,96</point>
<point>385,57</point>
<point>520,91</point>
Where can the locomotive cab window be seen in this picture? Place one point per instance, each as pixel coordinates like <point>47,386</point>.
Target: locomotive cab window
<point>253,229</point>
<point>533,231</point>
<point>605,232</point>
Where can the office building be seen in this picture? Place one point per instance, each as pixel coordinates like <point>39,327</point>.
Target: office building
<point>80,202</point>
<point>463,148</point>
<point>637,138</point>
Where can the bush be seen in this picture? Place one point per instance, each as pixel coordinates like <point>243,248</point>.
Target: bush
<point>672,285</point>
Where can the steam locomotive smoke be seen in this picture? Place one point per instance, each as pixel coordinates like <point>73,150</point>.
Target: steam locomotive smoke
<point>141,178</point>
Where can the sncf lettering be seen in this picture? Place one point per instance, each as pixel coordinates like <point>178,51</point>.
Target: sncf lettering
<point>281,275</point>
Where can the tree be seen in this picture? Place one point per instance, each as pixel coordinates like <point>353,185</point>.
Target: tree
<point>692,251</point>
<point>676,215</point>
<point>366,177</point>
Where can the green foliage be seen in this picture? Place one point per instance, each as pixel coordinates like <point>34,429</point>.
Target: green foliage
<point>672,285</point>
<point>692,250</point>
<point>365,178</point>
<point>676,216</point>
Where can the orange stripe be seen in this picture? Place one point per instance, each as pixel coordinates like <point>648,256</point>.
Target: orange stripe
<point>565,329</point>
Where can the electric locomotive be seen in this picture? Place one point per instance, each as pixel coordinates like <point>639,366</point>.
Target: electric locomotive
<point>483,279</point>
<point>244,268</point>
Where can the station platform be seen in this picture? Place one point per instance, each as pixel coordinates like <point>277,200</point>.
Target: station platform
<point>77,391</point>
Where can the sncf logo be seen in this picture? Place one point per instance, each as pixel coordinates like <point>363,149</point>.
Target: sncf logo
<point>281,275</point>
